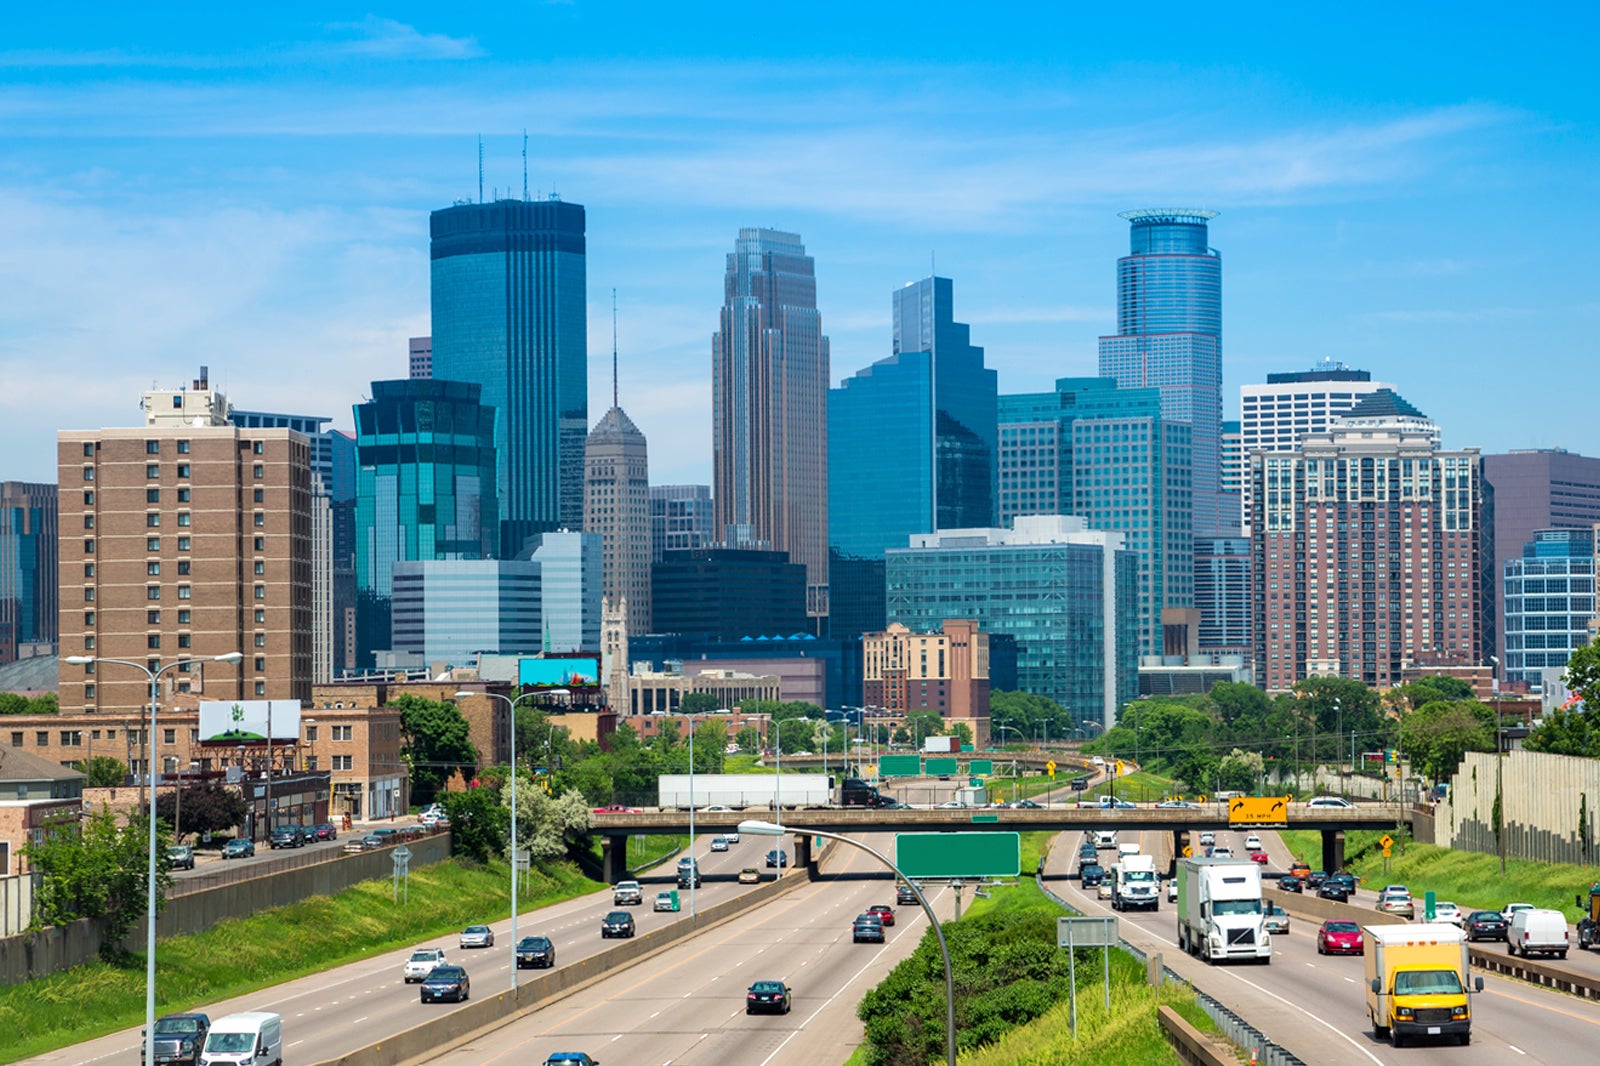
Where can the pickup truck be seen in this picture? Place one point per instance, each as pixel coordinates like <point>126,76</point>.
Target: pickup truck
<point>627,894</point>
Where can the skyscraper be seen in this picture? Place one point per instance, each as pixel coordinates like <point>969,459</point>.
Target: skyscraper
<point>680,519</point>
<point>28,572</point>
<point>569,591</point>
<point>770,407</point>
<point>1169,335</point>
<point>616,505</point>
<point>509,309</point>
<point>1549,602</point>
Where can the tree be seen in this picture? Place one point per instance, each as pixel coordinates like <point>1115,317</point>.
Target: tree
<point>208,807</point>
<point>11,703</point>
<point>1568,731</point>
<point>101,771</point>
<point>435,742</point>
<point>1437,734</point>
<point>962,731</point>
<point>749,739</point>
<point>699,703</point>
<point>480,822</point>
<point>1240,771</point>
<point>545,823</point>
<point>95,870</point>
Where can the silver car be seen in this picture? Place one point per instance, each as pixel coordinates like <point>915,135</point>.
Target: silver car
<point>1275,920</point>
<point>477,936</point>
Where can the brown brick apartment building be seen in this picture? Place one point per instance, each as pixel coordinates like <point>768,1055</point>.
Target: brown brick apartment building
<point>945,672</point>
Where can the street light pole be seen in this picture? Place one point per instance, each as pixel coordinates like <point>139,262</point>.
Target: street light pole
<point>232,657</point>
<point>759,828</point>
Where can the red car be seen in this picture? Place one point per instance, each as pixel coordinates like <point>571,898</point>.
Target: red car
<point>883,912</point>
<point>616,808</point>
<point>1340,938</point>
<point>1259,857</point>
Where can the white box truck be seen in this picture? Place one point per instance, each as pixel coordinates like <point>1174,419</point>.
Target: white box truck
<point>1219,910</point>
<point>745,791</point>
<point>1134,885</point>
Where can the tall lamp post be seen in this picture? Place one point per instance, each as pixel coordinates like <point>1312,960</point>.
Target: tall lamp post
<point>511,713</point>
<point>768,829</point>
<point>233,657</point>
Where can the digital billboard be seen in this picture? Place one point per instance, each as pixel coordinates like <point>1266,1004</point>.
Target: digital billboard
<point>559,673</point>
<point>245,721</point>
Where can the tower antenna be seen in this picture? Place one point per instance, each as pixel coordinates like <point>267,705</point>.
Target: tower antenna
<point>480,168</point>
<point>614,402</point>
<point>524,164</point>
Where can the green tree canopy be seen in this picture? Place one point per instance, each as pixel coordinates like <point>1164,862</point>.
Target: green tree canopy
<point>98,870</point>
<point>480,822</point>
<point>208,807</point>
<point>435,742</point>
<point>699,703</point>
<point>1436,735</point>
<point>102,771</point>
<point>1241,771</point>
<point>1583,673</point>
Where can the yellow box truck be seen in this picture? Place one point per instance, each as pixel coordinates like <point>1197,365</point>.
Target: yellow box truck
<point>1417,982</point>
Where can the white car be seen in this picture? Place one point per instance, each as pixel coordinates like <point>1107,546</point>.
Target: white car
<point>719,843</point>
<point>1252,843</point>
<point>715,808</point>
<point>421,964</point>
<point>731,836</point>
<point>1448,912</point>
<point>1222,853</point>
<point>1207,838</point>
<point>1172,890</point>
<point>1329,801</point>
<point>1511,910</point>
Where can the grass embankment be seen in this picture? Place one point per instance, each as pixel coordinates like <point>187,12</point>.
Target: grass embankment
<point>1138,787</point>
<point>1470,880</point>
<point>241,955</point>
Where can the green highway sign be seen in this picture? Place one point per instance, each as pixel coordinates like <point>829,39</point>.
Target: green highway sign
<point>981,767</point>
<point>900,765</point>
<point>985,817</point>
<point>942,766</point>
<point>980,854</point>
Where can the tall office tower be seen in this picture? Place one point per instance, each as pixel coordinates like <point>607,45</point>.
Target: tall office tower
<point>450,610</point>
<point>1550,602</point>
<point>1548,488</point>
<point>1169,335</point>
<point>1066,594</point>
<point>1232,457</point>
<point>1222,591</point>
<point>680,519</point>
<point>616,505</point>
<point>186,536</point>
<point>727,594</point>
<point>421,362</point>
<point>341,444</point>
<point>425,489</point>
<point>29,577</point>
<point>770,407</point>
<point>569,590</point>
<point>1110,456</point>
<point>508,315</point>
<point>1394,535</point>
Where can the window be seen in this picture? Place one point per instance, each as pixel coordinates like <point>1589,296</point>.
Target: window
<point>261,495</point>
<point>169,736</point>
<point>183,617</point>
<point>261,688</point>
<point>259,471</point>
<point>152,521</point>
<point>343,762</point>
<point>88,497</point>
<point>152,544</point>
<point>183,566</point>
<point>16,738</point>
<point>152,618</point>
<point>88,618</point>
<point>152,592</point>
<point>183,640</point>
<point>260,520</point>
<point>261,616</point>
<point>41,738</point>
<point>152,470</point>
<point>88,595</point>
<point>343,732</point>
<point>88,473</point>
<point>183,470</point>
<point>88,545</point>
<point>261,567</point>
<point>183,518</point>
<point>183,447</point>
<point>88,523</point>
<point>88,644</point>
<point>261,592</point>
<point>183,544</point>
<point>183,592</point>
<point>258,447</point>
<point>183,495</point>
<point>152,569</point>
<point>71,738</point>
<point>152,641</point>
<point>152,447</point>
<point>88,570</point>
<point>311,734</point>
<point>152,495</point>
<point>261,640</point>
<point>261,544</point>
<point>311,763</point>
<point>261,664</point>
<point>88,449</point>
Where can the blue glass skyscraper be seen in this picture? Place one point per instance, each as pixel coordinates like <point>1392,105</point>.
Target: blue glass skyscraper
<point>1169,335</point>
<point>509,315</point>
<point>29,589</point>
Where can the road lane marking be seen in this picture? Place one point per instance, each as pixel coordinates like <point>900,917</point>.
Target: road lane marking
<point>1542,1006</point>
<point>1515,1048</point>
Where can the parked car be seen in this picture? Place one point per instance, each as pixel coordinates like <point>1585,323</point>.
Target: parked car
<point>771,997</point>
<point>325,831</point>
<point>719,843</point>
<point>288,836</point>
<point>536,951</point>
<point>477,936</point>
<point>1336,937</point>
<point>1275,919</point>
<point>421,964</point>
<point>239,848</point>
<point>1486,925</point>
<point>884,912</point>
<point>616,923</point>
<point>1396,899</point>
<point>749,876</point>
<point>446,982</point>
<point>1291,883</point>
<point>179,1038</point>
<point>904,896</point>
<point>868,928</point>
<point>180,857</point>
<point>777,857</point>
<point>433,818</point>
<point>1333,889</point>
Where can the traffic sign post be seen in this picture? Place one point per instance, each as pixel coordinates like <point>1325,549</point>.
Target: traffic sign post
<point>402,871</point>
<point>1050,768</point>
<point>1074,933</point>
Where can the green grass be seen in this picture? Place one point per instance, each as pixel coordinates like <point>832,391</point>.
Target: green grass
<point>1468,879</point>
<point>243,954</point>
<point>1141,786</point>
<point>644,851</point>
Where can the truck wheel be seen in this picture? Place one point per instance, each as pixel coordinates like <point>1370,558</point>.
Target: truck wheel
<point>1561,954</point>
<point>1466,1038</point>
<point>1379,1031</point>
<point>1511,949</point>
<point>1183,939</point>
<point>1399,1040</point>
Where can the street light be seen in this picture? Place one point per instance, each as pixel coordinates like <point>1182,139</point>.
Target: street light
<point>768,829</point>
<point>233,658</point>
<point>177,801</point>
<point>511,712</point>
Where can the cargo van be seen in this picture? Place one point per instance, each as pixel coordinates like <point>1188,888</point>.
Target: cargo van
<point>1105,838</point>
<point>253,1038</point>
<point>1124,850</point>
<point>1536,931</point>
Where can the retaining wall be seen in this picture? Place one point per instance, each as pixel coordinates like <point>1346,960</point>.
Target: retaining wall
<point>1549,804</point>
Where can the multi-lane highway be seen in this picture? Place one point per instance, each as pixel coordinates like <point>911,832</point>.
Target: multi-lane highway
<point>1315,1006</point>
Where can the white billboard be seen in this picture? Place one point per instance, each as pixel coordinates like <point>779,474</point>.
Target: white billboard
<point>247,721</point>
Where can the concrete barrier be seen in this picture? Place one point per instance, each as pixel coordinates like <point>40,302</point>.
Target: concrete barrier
<point>1539,973</point>
<point>1300,905</point>
<point>1190,1044</point>
<point>425,1042</point>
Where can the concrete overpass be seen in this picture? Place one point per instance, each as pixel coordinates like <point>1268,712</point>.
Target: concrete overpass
<point>1331,822</point>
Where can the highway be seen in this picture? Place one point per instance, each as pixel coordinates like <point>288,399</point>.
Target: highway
<point>686,1005</point>
<point>1315,1006</point>
<point>331,1013</point>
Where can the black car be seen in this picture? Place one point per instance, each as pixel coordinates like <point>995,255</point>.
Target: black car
<point>180,857</point>
<point>1086,850</point>
<point>1486,925</point>
<point>1091,874</point>
<point>905,897</point>
<point>689,876</point>
<point>446,982</point>
<point>777,857</point>
<point>767,996</point>
<point>1347,880</point>
<point>1291,883</point>
<point>617,923</point>
<point>288,836</point>
<point>1027,805</point>
<point>534,951</point>
<point>867,927</point>
<point>1334,889</point>
<point>1315,878</point>
<point>179,1038</point>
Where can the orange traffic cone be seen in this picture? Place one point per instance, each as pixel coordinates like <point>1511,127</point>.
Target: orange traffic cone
<point>1252,1057</point>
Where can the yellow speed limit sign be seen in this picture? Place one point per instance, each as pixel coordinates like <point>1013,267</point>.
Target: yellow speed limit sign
<point>1050,767</point>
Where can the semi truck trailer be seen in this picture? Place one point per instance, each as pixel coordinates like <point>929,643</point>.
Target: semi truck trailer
<point>761,791</point>
<point>1219,910</point>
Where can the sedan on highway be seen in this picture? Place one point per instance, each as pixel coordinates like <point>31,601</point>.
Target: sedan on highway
<point>616,923</point>
<point>180,857</point>
<point>719,843</point>
<point>422,962</point>
<point>1275,920</point>
<point>1104,891</point>
<point>536,951</point>
<point>1027,805</point>
<point>239,848</point>
<point>884,912</point>
<point>749,876</point>
<point>1334,889</point>
<point>777,857</point>
<point>1252,843</point>
<point>1486,925</point>
<point>446,983</point>
<point>1448,912</point>
<point>1207,838</point>
<point>1396,899</point>
<point>1336,937</point>
<point>616,808</point>
<point>868,928</point>
<point>1291,883</point>
<point>477,936</point>
<point>1184,805</point>
<point>767,997</point>
<point>1259,858</point>
<point>905,896</point>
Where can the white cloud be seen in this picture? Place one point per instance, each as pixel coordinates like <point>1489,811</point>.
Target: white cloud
<point>381,38</point>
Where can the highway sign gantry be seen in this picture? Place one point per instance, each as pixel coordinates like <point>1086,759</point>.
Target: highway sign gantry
<point>974,855</point>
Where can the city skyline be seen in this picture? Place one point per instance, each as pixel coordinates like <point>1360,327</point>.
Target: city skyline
<point>181,190</point>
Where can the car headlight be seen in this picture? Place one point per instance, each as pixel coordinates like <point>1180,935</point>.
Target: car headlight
<point>1403,1013</point>
<point>1460,1015</point>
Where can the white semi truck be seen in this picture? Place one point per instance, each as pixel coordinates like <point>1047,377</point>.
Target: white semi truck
<point>1219,910</point>
<point>745,791</point>
<point>1134,885</point>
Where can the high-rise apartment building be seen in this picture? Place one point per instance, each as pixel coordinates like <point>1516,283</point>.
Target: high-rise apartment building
<point>681,519</point>
<point>509,306</point>
<point>1372,551</point>
<point>616,506</point>
<point>421,361</point>
<point>1110,456</point>
<point>1550,602</point>
<point>1066,594</point>
<point>1547,488</point>
<point>29,575</point>
<point>1222,591</point>
<point>186,536</point>
<point>569,591</point>
<point>425,489</point>
<point>1169,335</point>
<point>770,407</point>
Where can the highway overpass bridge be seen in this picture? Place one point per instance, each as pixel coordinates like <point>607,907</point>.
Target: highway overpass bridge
<point>1331,822</point>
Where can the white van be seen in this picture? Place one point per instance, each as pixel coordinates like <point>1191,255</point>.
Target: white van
<point>254,1038</point>
<point>1124,850</point>
<point>1105,838</point>
<point>1536,931</point>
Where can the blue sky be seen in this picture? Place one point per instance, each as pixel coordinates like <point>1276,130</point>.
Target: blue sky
<point>1410,191</point>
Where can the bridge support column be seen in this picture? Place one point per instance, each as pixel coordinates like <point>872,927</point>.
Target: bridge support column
<point>803,859</point>
<point>1180,840</point>
<point>1332,849</point>
<point>614,858</point>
